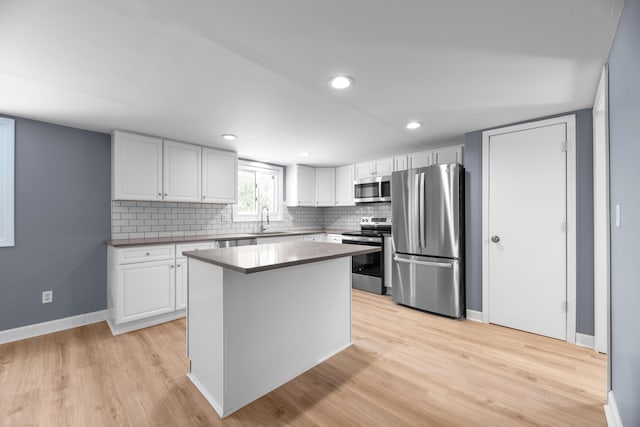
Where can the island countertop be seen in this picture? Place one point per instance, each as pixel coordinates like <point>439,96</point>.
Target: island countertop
<point>256,258</point>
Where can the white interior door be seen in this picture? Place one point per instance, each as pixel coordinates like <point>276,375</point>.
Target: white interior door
<point>527,251</point>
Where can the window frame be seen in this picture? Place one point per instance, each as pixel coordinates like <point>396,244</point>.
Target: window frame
<point>278,171</point>
<point>7,182</point>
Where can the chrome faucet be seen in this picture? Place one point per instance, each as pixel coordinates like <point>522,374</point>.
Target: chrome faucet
<point>262,227</point>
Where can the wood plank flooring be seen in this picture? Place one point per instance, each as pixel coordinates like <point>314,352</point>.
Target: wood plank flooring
<point>406,368</point>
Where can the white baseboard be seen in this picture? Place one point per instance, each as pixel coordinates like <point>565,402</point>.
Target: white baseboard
<point>584,340</point>
<point>474,315</point>
<point>117,329</point>
<point>57,325</point>
<point>611,411</point>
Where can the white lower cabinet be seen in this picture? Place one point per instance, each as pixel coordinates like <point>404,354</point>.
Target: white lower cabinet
<point>145,289</point>
<point>316,237</point>
<point>334,238</point>
<point>141,286</point>
<point>277,239</point>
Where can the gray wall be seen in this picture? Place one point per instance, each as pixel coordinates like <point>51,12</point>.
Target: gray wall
<point>584,226</point>
<point>62,217</point>
<point>624,125</point>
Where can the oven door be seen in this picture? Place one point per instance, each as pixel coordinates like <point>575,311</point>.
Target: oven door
<point>368,269</point>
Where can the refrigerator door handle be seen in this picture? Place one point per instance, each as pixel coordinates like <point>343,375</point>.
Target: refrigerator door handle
<point>417,199</point>
<point>427,263</point>
<point>423,226</point>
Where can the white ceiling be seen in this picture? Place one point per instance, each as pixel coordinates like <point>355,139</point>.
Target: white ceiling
<point>192,70</point>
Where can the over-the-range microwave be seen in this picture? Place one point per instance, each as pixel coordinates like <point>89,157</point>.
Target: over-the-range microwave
<point>370,190</point>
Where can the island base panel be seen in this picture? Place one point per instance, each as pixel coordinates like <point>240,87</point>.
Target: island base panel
<point>257,331</point>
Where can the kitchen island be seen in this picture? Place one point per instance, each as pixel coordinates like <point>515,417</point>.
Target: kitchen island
<point>258,316</point>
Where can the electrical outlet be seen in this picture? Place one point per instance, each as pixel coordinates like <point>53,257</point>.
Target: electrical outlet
<point>47,297</point>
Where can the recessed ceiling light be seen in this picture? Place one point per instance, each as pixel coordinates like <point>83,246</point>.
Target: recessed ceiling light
<point>413,125</point>
<point>228,136</point>
<point>341,82</point>
<point>305,154</point>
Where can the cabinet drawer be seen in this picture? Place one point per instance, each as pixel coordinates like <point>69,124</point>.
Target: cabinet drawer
<point>145,253</point>
<point>334,238</point>
<point>193,247</point>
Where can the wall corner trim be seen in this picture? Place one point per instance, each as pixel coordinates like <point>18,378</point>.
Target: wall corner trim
<point>49,327</point>
<point>584,340</point>
<point>611,411</point>
<point>474,315</point>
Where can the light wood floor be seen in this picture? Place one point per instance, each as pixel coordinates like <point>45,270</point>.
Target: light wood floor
<point>405,368</point>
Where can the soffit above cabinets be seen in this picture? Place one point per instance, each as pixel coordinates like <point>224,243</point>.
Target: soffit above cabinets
<point>194,71</point>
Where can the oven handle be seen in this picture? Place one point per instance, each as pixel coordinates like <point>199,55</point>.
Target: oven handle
<point>427,263</point>
<point>359,242</point>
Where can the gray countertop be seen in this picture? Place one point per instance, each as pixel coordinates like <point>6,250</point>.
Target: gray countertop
<point>253,259</point>
<point>189,239</point>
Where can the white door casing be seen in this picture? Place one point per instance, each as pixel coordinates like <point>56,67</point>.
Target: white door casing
<point>601,219</point>
<point>527,167</point>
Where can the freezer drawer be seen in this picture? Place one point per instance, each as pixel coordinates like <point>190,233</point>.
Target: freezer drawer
<point>430,284</point>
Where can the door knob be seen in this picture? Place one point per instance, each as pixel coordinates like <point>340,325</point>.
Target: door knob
<point>495,239</point>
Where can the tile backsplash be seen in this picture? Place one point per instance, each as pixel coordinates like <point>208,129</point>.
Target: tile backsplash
<point>135,220</point>
<point>348,217</point>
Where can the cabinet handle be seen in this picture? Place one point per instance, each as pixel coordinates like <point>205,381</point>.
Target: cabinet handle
<point>160,194</point>
<point>171,266</point>
<point>147,254</point>
<point>179,265</point>
<point>165,194</point>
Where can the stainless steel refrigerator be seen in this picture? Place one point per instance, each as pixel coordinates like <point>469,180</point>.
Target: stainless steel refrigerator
<point>428,237</point>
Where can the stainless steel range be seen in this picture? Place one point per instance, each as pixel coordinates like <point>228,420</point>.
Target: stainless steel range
<point>368,270</point>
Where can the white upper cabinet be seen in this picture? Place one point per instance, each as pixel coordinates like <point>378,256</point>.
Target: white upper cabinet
<point>451,154</point>
<point>182,172</point>
<point>148,168</point>
<point>344,186</point>
<point>374,168</point>
<point>400,163</point>
<point>136,167</point>
<point>421,159</point>
<point>301,185</point>
<point>325,186</point>
<point>219,176</point>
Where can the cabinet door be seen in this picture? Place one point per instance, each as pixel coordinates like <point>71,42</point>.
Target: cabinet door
<point>448,155</point>
<point>344,186</point>
<point>337,238</point>
<point>182,275</point>
<point>145,289</point>
<point>306,186</point>
<point>219,175</point>
<point>400,163</point>
<point>182,172</point>
<point>136,167</point>
<point>421,159</point>
<point>383,167</point>
<point>315,237</point>
<point>278,239</point>
<point>325,186</point>
<point>364,170</point>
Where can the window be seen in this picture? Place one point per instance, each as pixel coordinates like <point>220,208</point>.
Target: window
<point>7,158</point>
<point>259,186</point>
